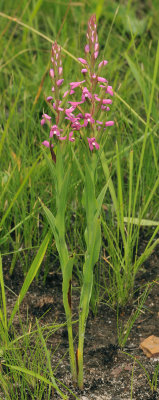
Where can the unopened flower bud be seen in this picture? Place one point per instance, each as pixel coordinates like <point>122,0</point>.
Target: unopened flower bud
<point>52,73</point>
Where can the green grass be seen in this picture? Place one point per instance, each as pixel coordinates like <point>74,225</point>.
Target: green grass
<point>128,37</point>
<point>28,367</point>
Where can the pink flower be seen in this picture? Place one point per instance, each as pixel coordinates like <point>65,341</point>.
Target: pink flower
<point>87,48</point>
<point>76,126</point>
<point>71,139</point>
<point>86,94</point>
<point>42,122</point>
<point>109,90</point>
<point>96,54</point>
<point>82,60</point>
<point>99,122</point>
<point>79,116</point>
<point>75,103</point>
<point>60,70</point>
<point>102,63</point>
<point>57,108</point>
<point>92,143</point>
<point>107,101</point>
<point>84,70</point>
<point>69,114</point>
<point>69,111</point>
<point>100,79</point>
<point>109,123</point>
<point>76,84</point>
<point>62,138</point>
<point>46,143</point>
<point>54,131</point>
<point>105,108</point>
<point>46,116</point>
<point>66,93</point>
<point>96,97</point>
<point>88,119</point>
<point>52,74</point>
<point>49,98</point>
<point>59,82</point>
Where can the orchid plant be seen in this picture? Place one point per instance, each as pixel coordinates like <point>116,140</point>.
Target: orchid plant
<point>80,117</point>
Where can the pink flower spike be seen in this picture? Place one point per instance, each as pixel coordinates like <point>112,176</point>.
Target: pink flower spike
<point>104,108</point>
<point>100,79</point>
<point>71,139</point>
<point>53,89</point>
<point>94,76</point>
<point>102,63</point>
<point>109,123</point>
<point>46,116</point>
<point>42,122</point>
<point>107,101</point>
<point>92,143</point>
<point>82,60</point>
<point>46,143</point>
<point>59,82</point>
<point>49,98</point>
<point>87,48</point>
<point>76,84</point>
<point>72,91</point>
<point>84,70</point>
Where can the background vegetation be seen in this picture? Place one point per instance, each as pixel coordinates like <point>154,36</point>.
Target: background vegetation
<point>128,37</point>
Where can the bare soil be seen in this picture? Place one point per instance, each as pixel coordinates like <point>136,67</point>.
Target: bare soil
<point>109,373</point>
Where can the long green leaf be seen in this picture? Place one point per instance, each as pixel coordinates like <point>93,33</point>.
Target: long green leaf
<point>3,295</point>
<point>146,129</point>
<point>139,79</point>
<point>31,274</point>
<point>141,222</point>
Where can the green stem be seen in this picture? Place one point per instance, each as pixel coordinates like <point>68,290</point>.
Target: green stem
<point>68,313</point>
<point>79,355</point>
<point>66,289</point>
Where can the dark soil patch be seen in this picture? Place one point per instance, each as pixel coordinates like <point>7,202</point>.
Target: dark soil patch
<point>108,371</point>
